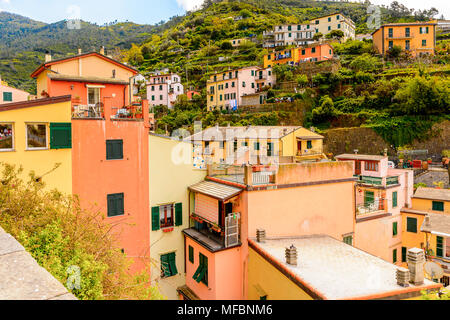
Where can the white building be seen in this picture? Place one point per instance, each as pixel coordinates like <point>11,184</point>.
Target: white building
<point>285,35</point>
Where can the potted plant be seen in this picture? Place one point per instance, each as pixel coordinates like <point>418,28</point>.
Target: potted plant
<point>138,113</point>
<point>76,99</point>
<point>430,161</point>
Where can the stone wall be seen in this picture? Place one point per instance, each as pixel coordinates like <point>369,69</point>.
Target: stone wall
<point>367,141</point>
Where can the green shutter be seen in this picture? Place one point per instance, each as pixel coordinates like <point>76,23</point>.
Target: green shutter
<point>115,204</point>
<point>7,97</point>
<point>197,273</point>
<point>165,268</point>
<point>438,206</point>
<point>411,225</point>
<point>439,246</point>
<point>173,264</point>
<point>394,199</point>
<point>309,145</point>
<point>191,254</point>
<point>395,229</point>
<point>60,135</point>
<point>114,149</point>
<point>394,256</point>
<point>155,218</point>
<point>404,254</point>
<point>178,214</point>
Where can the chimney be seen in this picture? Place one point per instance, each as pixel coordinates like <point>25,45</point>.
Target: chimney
<point>416,262</point>
<point>260,235</point>
<point>356,151</point>
<point>102,50</point>
<point>79,51</point>
<point>427,221</point>
<point>385,153</point>
<point>48,57</point>
<point>403,277</point>
<point>291,256</point>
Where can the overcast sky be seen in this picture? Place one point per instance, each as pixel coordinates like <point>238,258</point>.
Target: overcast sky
<point>141,11</point>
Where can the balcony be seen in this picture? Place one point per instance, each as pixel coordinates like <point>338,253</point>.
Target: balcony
<point>390,181</point>
<point>260,77</point>
<point>398,37</point>
<point>371,181</point>
<point>370,208</point>
<point>97,111</point>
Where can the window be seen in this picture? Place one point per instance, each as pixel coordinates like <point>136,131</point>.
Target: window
<point>394,256</point>
<point>369,198</point>
<point>391,32</point>
<point>371,166</point>
<point>253,85</point>
<point>438,206</point>
<point>313,50</point>
<point>407,45</point>
<point>317,21</point>
<point>232,84</point>
<point>395,229</point>
<point>191,254</point>
<point>309,145</point>
<point>7,97</point>
<point>348,240</point>
<point>289,28</point>
<point>93,96</point>
<point>407,32</point>
<point>269,57</point>
<point>153,98</point>
<point>404,254</point>
<point>201,275</point>
<point>411,225</point>
<point>394,199</point>
<point>243,84</point>
<point>114,149</point>
<point>160,87</point>
<point>160,97</point>
<point>167,216</point>
<point>270,149</point>
<point>6,137</point>
<point>424,43</point>
<point>257,146</point>
<point>339,25</point>
<point>338,17</point>
<point>329,19</point>
<point>153,88</point>
<point>211,98</point>
<point>440,247</point>
<point>168,265</point>
<point>36,136</point>
<point>60,135</point>
<point>116,205</point>
<point>329,28</point>
<point>303,52</point>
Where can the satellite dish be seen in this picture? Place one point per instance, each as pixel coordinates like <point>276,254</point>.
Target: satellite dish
<point>434,271</point>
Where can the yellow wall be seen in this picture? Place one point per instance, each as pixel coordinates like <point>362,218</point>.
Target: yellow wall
<point>268,63</point>
<point>41,161</point>
<point>427,205</point>
<point>275,284</point>
<point>169,183</point>
<point>289,142</point>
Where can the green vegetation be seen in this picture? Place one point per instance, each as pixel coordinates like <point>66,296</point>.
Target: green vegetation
<point>59,235</point>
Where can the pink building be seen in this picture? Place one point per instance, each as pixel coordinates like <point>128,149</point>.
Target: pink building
<point>289,200</point>
<point>226,89</point>
<point>381,193</point>
<point>9,94</point>
<point>164,89</point>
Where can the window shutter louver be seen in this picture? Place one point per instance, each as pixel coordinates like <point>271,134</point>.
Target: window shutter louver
<point>155,218</point>
<point>191,254</point>
<point>178,214</point>
<point>165,268</point>
<point>173,264</point>
<point>439,246</point>
<point>60,135</point>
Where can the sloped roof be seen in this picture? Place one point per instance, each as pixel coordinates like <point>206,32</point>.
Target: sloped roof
<point>34,103</point>
<point>361,157</point>
<point>216,190</point>
<point>439,224</point>
<point>433,194</point>
<point>62,77</point>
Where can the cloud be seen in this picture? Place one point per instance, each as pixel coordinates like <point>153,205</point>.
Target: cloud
<point>189,5</point>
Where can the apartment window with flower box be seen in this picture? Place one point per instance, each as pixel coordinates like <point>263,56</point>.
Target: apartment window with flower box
<point>201,275</point>
<point>168,265</point>
<point>6,137</point>
<point>167,216</point>
<point>36,136</point>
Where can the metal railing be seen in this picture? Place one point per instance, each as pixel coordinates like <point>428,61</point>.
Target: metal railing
<point>263,178</point>
<point>371,181</point>
<point>392,181</point>
<point>369,208</point>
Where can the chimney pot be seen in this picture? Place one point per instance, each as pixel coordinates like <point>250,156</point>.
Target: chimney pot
<point>48,57</point>
<point>427,221</point>
<point>385,153</point>
<point>79,51</point>
<point>356,151</point>
<point>102,50</point>
<point>261,235</point>
<point>416,262</point>
<point>291,255</point>
<point>403,277</point>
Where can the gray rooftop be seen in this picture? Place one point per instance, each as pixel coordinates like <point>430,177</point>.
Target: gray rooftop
<point>21,278</point>
<point>336,270</point>
<point>433,194</point>
<point>439,224</point>
<point>361,157</point>
<point>216,190</point>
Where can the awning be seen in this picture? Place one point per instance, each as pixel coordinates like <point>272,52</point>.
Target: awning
<point>216,190</point>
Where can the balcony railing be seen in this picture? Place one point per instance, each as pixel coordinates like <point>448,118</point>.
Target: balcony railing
<point>397,36</point>
<point>88,111</point>
<point>369,208</point>
<point>97,112</point>
<point>392,181</point>
<point>263,178</point>
<point>374,181</point>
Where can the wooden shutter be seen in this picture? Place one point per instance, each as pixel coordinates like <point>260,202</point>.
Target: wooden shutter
<point>411,225</point>
<point>438,206</point>
<point>394,199</point>
<point>155,218</point>
<point>404,254</point>
<point>395,228</point>
<point>191,254</point>
<point>309,144</point>
<point>178,214</point>
<point>60,135</point>
<point>173,264</point>
<point>115,204</point>
<point>394,256</point>
<point>439,246</point>
<point>165,268</point>
<point>114,149</point>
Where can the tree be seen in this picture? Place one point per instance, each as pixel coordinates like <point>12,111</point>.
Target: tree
<point>302,80</point>
<point>365,62</point>
<point>317,36</point>
<point>335,34</point>
<point>59,234</point>
<point>135,56</point>
<point>325,111</point>
<point>226,45</point>
<point>394,52</point>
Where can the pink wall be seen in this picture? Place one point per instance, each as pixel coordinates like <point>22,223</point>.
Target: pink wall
<point>17,95</point>
<point>94,177</point>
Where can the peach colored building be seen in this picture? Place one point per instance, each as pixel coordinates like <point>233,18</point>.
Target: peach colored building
<point>9,94</point>
<point>226,89</point>
<point>380,195</point>
<point>295,56</point>
<point>164,89</point>
<point>234,201</point>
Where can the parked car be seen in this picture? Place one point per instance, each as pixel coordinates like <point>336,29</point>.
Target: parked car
<point>391,164</point>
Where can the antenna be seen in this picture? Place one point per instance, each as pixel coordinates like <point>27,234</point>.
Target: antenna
<point>434,271</point>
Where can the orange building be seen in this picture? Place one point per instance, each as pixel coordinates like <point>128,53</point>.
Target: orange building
<point>295,56</point>
<point>235,201</point>
<point>418,38</point>
<point>88,78</point>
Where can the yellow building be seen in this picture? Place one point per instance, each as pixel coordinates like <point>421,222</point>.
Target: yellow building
<point>418,38</point>
<point>432,233</point>
<point>322,268</point>
<point>171,172</point>
<point>336,21</point>
<point>244,144</point>
<point>36,135</point>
